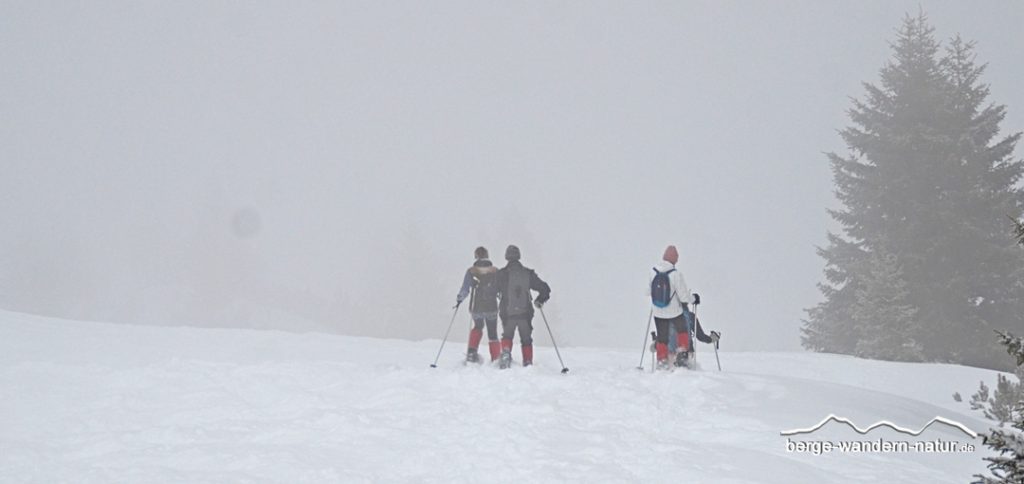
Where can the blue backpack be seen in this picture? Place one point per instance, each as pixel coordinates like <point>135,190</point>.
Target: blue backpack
<point>661,288</point>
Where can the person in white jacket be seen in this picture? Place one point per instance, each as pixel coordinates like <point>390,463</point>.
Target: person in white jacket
<point>669,306</point>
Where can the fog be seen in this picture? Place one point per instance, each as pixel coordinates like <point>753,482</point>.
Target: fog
<point>328,166</point>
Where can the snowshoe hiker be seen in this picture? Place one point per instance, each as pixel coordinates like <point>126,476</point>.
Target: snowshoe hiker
<point>515,282</point>
<point>669,300</point>
<point>685,358</point>
<point>479,284</point>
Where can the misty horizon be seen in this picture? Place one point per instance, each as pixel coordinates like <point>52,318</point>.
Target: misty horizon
<point>332,167</point>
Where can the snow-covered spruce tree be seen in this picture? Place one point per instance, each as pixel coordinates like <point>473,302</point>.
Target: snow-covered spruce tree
<point>999,403</point>
<point>926,180</point>
<point>1008,466</point>
<point>1018,230</point>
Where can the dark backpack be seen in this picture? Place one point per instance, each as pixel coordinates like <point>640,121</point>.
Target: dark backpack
<point>517,294</point>
<point>661,288</point>
<point>486,287</point>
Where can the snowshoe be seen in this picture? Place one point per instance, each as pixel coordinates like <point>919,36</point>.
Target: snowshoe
<point>686,359</point>
<point>506,359</point>
<point>682,359</point>
<point>473,357</point>
<point>663,365</point>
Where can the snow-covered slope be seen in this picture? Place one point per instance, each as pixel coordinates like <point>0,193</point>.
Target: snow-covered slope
<point>103,403</point>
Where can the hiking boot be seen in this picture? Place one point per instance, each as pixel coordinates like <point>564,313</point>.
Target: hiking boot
<point>472,357</point>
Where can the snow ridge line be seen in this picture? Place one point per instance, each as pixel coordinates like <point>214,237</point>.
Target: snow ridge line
<point>883,423</point>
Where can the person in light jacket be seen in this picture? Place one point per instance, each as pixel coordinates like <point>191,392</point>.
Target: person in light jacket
<point>670,299</point>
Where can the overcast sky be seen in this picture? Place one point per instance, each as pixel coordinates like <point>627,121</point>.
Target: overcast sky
<point>332,165</point>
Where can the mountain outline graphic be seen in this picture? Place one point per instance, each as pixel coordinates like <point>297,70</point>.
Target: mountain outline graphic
<point>883,423</point>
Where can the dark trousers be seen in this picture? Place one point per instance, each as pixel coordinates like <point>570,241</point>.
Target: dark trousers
<point>491,320</point>
<point>525,326</point>
<point>678,322</point>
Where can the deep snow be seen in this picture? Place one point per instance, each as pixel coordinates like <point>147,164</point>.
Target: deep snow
<point>95,402</point>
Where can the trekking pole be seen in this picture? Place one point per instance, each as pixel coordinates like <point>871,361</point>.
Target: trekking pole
<point>695,322</point>
<point>693,335</point>
<point>654,336</point>
<point>564,369</point>
<point>716,357</point>
<point>434,365</point>
<point>643,349</point>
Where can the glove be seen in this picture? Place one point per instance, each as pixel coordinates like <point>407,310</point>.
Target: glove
<point>458,300</point>
<point>715,336</point>
<point>696,299</point>
<point>538,303</point>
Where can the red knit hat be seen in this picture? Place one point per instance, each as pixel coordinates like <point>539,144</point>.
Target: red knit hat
<point>671,255</point>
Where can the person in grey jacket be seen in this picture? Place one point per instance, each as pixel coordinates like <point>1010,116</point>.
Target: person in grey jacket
<point>515,281</point>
